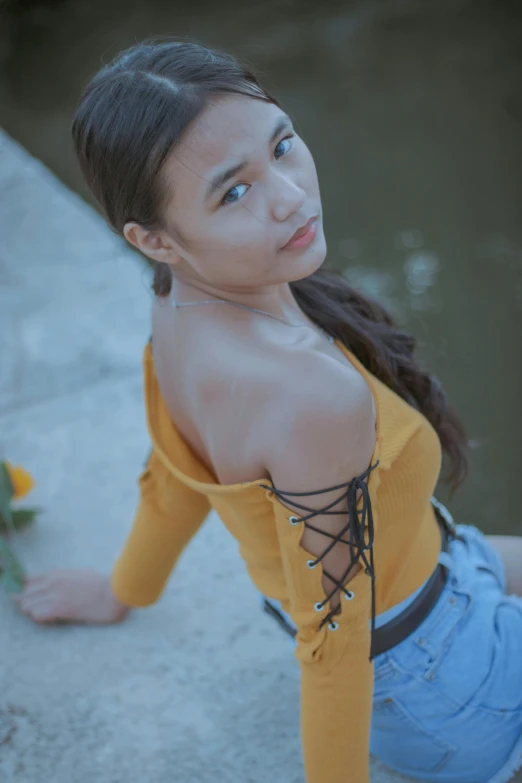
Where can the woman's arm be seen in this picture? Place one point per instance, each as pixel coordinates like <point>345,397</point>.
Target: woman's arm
<point>328,432</point>
<point>168,516</point>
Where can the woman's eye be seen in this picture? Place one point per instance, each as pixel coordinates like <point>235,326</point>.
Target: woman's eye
<point>229,197</point>
<point>231,191</point>
<point>289,140</point>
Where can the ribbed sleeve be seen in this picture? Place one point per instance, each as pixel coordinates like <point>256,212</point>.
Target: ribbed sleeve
<point>168,515</point>
<point>336,671</point>
<point>336,707</point>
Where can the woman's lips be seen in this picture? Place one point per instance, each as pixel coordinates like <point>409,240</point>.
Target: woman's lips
<point>305,238</point>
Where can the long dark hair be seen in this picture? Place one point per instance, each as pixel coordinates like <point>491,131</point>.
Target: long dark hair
<point>129,118</point>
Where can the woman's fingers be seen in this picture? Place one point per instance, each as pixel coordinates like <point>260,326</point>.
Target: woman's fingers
<point>70,595</point>
<point>40,612</point>
<point>45,584</point>
<point>41,603</point>
<point>28,592</point>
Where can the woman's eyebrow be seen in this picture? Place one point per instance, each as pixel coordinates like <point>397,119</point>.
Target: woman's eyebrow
<point>221,177</point>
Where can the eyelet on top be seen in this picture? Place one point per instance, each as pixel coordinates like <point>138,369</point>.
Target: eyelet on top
<point>311,563</point>
<point>333,626</point>
<point>319,606</point>
<point>294,520</point>
<point>350,595</point>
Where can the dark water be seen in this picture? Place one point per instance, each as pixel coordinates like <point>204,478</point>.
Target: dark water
<point>413,111</point>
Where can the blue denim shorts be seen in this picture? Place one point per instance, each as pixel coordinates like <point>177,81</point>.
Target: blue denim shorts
<point>447,701</point>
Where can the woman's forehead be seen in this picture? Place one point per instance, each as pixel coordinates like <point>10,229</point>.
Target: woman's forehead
<point>227,130</point>
<point>227,120</point>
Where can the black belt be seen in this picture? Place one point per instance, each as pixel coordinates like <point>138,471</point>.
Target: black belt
<point>404,624</point>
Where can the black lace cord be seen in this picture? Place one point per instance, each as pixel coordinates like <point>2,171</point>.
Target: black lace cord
<point>355,525</point>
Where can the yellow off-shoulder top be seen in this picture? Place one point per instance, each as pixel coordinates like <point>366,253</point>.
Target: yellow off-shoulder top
<point>177,492</point>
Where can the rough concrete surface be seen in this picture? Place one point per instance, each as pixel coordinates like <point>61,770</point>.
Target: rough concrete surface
<point>199,687</point>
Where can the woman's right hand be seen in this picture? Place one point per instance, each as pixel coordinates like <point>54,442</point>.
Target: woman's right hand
<point>71,595</point>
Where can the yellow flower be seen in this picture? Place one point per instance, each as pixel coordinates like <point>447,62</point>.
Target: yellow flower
<point>21,480</point>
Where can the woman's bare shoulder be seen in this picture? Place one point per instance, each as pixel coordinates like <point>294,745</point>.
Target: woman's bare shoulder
<point>289,412</point>
<point>242,405</point>
<point>324,424</point>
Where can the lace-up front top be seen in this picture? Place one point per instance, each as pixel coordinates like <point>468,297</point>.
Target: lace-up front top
<point>391,529</point>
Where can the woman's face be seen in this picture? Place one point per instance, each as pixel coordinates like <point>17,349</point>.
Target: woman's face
<point>234,224</point>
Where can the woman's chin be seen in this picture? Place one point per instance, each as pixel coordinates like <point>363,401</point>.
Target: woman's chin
<point>309,262</point>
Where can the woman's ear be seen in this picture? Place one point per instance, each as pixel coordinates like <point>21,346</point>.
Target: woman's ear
<point>157,245</point>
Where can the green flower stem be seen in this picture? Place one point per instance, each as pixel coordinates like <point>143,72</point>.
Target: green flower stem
<point>12,575</point>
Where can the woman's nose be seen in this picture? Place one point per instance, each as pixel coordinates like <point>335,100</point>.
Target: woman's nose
<point>288,197</point>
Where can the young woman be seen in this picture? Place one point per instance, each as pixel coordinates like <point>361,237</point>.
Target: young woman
<point>292,405</point>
